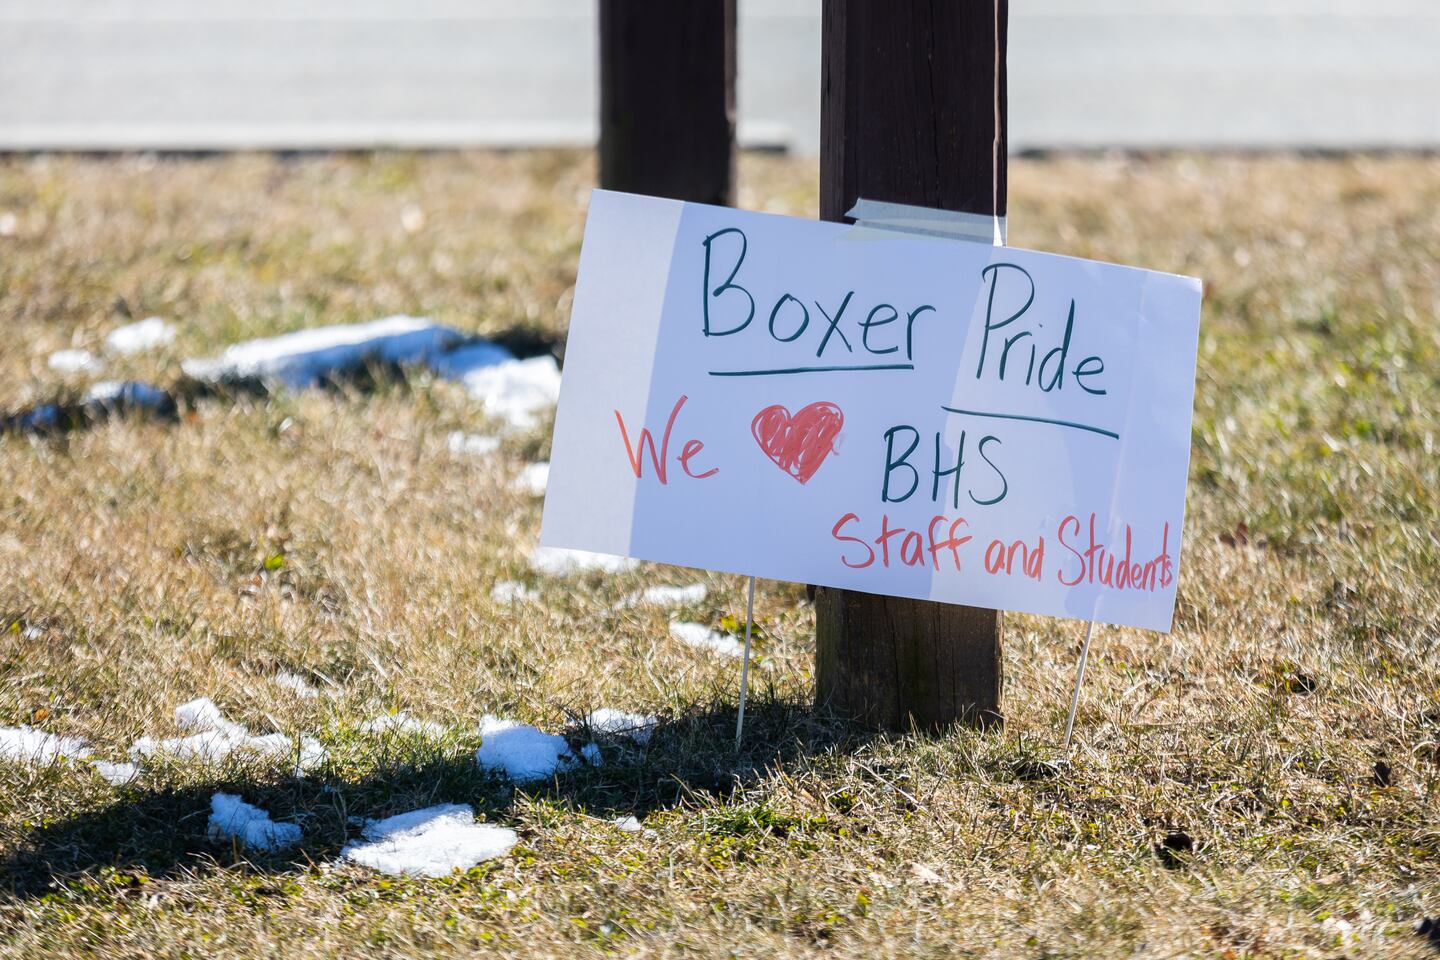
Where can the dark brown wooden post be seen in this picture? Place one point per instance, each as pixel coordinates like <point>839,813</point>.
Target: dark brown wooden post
<point>667,98</point>
<point>912,111</point>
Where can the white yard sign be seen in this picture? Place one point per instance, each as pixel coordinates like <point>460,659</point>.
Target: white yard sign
<point>895,414</point>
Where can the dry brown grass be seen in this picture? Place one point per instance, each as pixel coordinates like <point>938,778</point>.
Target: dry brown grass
<point>1305,648</point>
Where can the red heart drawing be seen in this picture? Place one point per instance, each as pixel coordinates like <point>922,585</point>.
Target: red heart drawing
<point>798,444</point>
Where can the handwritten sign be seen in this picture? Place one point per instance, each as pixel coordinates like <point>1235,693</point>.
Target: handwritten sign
<point>894,414</point>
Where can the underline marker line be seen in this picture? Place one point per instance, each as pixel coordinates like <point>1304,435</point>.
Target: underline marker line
<point>780,372</point>
<point>1016,416</point>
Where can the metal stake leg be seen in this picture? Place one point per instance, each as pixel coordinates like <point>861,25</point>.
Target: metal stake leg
<point>1079,676</point>
<point>745,664</point>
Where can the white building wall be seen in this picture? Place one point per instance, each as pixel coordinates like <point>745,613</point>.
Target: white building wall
<point>194,74</point>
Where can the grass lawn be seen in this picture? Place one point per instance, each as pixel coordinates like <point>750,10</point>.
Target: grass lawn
<point>1262,782</point>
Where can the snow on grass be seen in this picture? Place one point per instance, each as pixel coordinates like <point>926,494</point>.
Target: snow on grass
<point>464,360</point>
<point>591,754</point>
<point>233,819</point>
<point>296,684</point>
<point>142,335</point>
<point>636,726</point>
<point>116,396</point>
<point>211,746</point>
<point>472,444</point>
<point>533,479</point>
<point>562,561</point>
<point>667,596</point>
<point>402,722</point>
<point>512,591</point>
<point>118,774</point>
<point>706,638</point>
<point>412,218</point>
<point>74,361</point>
<point>202,714</point>
<point>37,419</point>
<point>218,737</point>
<point>307,357</point>
<point>36,746</point>
<point>101,401</point>
<point>627,824</point>
<point>520,751</point>
<point>26,744</point>
<point>312,754</point>
<point>518,392</point>
<point>433,842</point>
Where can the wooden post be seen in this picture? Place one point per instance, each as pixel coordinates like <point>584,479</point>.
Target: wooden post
<point>667,98</point>
<point>912,111</point>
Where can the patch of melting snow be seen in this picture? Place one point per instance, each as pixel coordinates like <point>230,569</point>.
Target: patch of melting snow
<point>99,402</point>
<point>211,746</point>
<point>472,444</point>
<point>402,722</point>
<point>218,737</point>
<point>36,746</point>
<point>637,726</point>
<point>518,392</point>
<point>627,824</point>
<point>667,596</point>
<point>118,774</point>
<point>233,819</point>
<point>296,684</point>
<point>521,752</point>
<point>562,561</point>
<point>464,360</point>
<point>1339,928</point>
<point>202,714</point>
<point>512,591</point>
<point>142,335</point>
<point>274,744</point>
<point>306,357</point>
<point>533,479</point>
<point>114,396</point>
<point>591,754</point>
<point>412,218</point>
<point>312,754</point>
<point>433,842</point>
<point>74,361</point>
<point>37,419</point>
<point>706,638</point>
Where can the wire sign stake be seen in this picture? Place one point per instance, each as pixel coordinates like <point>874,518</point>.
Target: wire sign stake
<point>745,663</point>
<point>1079,676</point>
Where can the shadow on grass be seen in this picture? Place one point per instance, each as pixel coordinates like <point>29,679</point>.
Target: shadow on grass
<point>161,832</point>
